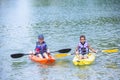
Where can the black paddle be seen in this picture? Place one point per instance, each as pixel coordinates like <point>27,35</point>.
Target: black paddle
<point>18,55</point>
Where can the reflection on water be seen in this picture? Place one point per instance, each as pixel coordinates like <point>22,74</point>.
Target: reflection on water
<point>62,63</point>
<point>61,22</point>
<point>18,65</point>
<point>112,65</point>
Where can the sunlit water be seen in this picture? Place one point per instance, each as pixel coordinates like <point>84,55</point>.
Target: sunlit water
<point>61,22</point>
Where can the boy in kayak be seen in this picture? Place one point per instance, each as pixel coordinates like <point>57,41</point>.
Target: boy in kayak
<point>83,48</point>
<point>41,49</point>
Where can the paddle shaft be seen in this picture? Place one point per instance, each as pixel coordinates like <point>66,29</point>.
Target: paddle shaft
<point>17,55</point>
<point>103,51</point>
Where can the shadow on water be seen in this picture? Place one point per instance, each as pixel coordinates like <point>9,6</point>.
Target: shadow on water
<point>18,64</point>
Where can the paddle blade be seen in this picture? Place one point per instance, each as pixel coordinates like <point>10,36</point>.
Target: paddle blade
<point>64,50</point>
<point>61,55</point>
<point>110,50</point>
<point>17,55</point>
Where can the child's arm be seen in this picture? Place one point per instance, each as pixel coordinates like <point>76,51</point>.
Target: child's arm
<point>92,49</point>
<point>77,50</point>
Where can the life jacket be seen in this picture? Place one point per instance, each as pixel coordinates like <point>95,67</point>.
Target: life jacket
<point>83,48</point>
<point>41,48</point>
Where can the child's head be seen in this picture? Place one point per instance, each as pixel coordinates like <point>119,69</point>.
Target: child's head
<point>82,38</point>
<point>41,38</point>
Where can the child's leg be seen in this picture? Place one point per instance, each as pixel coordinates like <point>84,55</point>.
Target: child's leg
<point>81,56</point>
<point>39,55</point>
<point>85,56</point>
<point>46,55</point>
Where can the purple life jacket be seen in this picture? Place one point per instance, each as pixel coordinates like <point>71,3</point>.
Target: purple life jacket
<point>83,48</point>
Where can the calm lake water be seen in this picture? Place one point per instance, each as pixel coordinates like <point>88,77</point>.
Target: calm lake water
<point>61,22</point>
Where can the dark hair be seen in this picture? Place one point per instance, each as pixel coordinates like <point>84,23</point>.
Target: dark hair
<point>82,36</point>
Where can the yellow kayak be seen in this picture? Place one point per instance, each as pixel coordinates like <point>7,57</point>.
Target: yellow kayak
<point>88,61</point>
